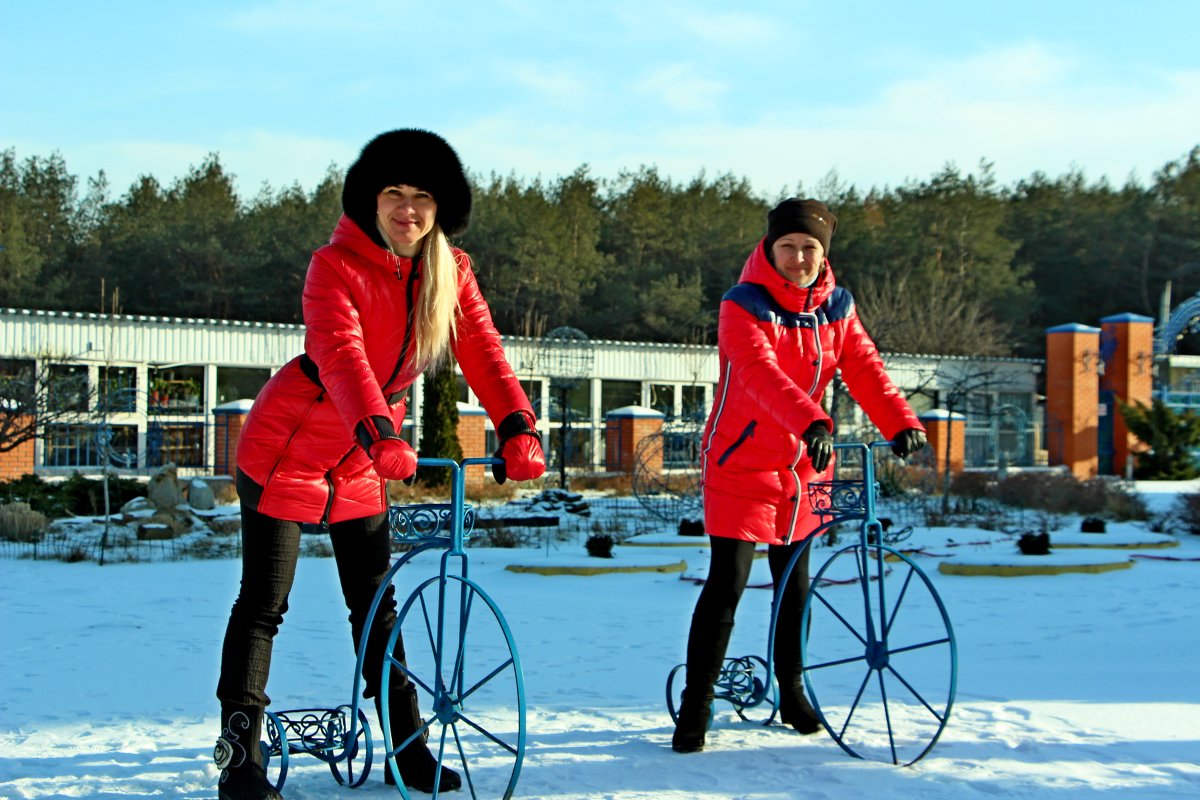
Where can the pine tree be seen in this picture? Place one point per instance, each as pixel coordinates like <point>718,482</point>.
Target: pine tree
<point>1172,438</point>
<point>439,422</point>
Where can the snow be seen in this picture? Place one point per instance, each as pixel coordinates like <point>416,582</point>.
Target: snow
<point>1069,686</point>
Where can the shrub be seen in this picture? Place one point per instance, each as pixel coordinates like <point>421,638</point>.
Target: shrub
<point>20,523</point>
<point>1187,509</point>
<point>599,545</point>
<point>1034,544</point>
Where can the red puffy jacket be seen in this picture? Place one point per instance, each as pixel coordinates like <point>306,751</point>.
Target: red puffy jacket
<point>779,345</point>
<point>297,457</point>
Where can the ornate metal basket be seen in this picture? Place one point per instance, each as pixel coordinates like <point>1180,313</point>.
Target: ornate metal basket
<point>837,497</point>
<point>423,522</point>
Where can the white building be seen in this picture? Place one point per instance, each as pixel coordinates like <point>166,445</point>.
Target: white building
<point>139,391</point>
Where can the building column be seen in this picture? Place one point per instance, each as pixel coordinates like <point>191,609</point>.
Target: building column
<point>228,419</point>
<point>1073,398</point>
<point>472,438</point>
<point>1127,345</point>
<point>624,430</point>
<point>942,426</point>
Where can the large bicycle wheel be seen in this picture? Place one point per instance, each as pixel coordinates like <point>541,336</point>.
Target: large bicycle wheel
<point>880,660</point>
<point>462,660</point>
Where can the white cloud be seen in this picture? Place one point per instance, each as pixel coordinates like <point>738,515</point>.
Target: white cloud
<point>679,88</point>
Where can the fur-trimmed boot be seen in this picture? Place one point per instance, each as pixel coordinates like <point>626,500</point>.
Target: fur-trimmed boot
<point>707,643</point>
<point>239,757</point>
<point>418,767</point>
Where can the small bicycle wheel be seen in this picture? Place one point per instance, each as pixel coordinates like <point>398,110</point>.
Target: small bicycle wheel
<point>359,749</point>
<point>880,660</point>
<point>274,750</point>
<point>747,683</point>
<point>675,693</point>
<point>464,664</point>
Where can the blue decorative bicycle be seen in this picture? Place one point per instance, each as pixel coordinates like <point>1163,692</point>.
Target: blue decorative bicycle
<point>469,679</point>
<point>879,656</point>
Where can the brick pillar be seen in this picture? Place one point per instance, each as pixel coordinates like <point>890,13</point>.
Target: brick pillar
<point>625,428</point>
<point>940,426</point>
<point>19,461</point>
<point>1073,398</point>
<point>472,438</point>
<point>228,419</point>
<point>1127,344</point>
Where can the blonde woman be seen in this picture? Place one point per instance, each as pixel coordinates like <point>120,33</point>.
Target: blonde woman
<point>385,300</point>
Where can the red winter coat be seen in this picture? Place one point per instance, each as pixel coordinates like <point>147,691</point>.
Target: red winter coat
<point>779,345</point>
<point>297,457</point>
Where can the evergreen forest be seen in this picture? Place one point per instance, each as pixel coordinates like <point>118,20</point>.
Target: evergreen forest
<point>955,264</point>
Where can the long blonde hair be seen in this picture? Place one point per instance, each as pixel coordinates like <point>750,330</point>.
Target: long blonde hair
<point>436,306</point>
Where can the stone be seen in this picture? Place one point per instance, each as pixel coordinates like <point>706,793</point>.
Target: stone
<point>200,497</point>
<point>164,491</point>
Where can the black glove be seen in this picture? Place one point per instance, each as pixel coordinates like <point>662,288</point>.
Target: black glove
<point>820,445</point>
<point>908,441</point>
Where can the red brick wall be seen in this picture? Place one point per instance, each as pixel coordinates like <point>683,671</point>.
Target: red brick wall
<point>938,426</point>
<point>622,436</point>
<point>1072,398</point>
<point>18,462</point>
<point>228,428</point>
<point>1127,373</point>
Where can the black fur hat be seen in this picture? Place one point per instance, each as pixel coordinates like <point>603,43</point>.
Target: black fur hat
<point>800,216</point>
<point>414,157</point>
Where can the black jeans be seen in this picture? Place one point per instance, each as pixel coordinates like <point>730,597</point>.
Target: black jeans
<point>270,547</point>
<point>728,574</point>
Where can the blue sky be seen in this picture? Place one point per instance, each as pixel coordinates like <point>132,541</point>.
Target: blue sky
<point>782,93</point>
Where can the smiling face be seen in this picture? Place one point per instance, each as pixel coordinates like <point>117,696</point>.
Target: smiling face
<point>798,257</point>
<point>405,214</point>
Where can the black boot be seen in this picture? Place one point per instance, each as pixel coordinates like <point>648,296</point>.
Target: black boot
<point>418,767</point>
<point>238,755</point>
<point>794,708</point>
<point>707,643</point>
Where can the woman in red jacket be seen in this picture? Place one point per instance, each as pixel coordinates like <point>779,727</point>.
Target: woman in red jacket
<point>783,331</point>
<point>387,299</point>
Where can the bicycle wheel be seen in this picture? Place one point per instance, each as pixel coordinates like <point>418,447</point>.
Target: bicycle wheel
<point>880,660</point>
<point>462,660</point>
<point>358,749</point>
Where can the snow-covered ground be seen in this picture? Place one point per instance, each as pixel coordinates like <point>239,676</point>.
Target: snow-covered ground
<point>1069,686</point>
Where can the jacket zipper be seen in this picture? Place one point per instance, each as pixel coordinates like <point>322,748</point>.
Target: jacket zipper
<point>409,292</point>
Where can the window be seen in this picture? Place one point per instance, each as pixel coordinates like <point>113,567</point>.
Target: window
<point>179,444</point>
<point>18,386</point>
<point>662,398</point>
<point>618,394</point>
<point>117,392</point>
<point>177,390</point>
<point>67,387</point>
<point>694,404</point>
<point>240,383</point>
<point>578,397</point>
<point>87,445</point>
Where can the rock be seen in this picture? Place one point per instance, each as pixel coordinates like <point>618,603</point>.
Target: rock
<point>200,497</point>
<point>225,526</point>
<point>164,491</point>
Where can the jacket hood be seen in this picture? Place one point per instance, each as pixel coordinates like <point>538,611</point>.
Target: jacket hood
<point>792,297</point>
<point>349,235</point>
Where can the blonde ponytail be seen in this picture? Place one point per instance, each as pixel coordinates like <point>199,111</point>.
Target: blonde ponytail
<point>437,303</point>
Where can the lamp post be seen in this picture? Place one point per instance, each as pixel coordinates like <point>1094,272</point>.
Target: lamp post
<point>565,356</point>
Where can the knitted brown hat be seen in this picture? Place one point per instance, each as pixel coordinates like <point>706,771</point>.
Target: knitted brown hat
<point>413,157</point>
<point>800,216</point>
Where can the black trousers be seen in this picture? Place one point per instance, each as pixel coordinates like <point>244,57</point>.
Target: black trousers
<point>270,548</point>
<point>728,574</point>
